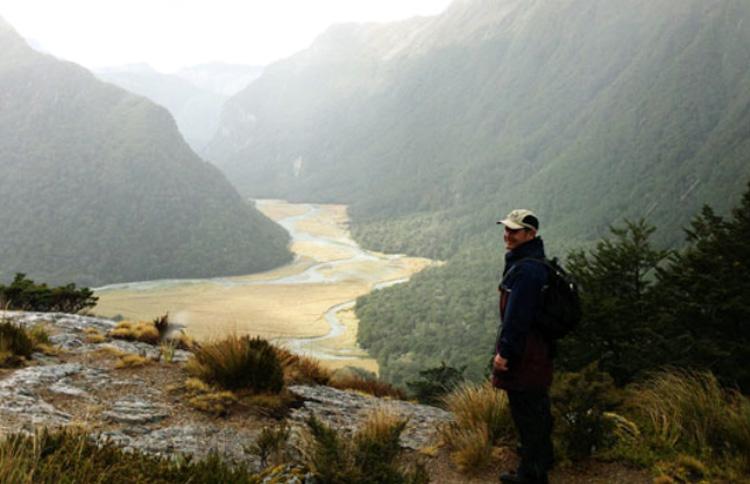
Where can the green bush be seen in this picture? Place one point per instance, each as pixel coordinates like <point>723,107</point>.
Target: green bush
<point>15,344</point>
<point>24,294</point>
<point>580,402</point>
<point>436,382</point>
<point>237,363</point>
<point>71,457</point>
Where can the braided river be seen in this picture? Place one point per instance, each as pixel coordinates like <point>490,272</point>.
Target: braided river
<point>307,305</point>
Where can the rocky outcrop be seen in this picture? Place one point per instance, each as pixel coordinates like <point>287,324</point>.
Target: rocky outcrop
<point>344,410</point>
<point>135,408</point>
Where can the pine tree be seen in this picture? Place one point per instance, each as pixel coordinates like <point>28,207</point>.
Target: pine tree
<point>706,295</point>
<point>616,280</point>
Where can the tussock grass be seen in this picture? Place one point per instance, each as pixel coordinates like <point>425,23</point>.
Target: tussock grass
<point>237,363</point>
<point>270,445</point>
<point>482,419</point>
<point>69,456</point>
<point>302,369</point>
<point>131,361</point>
<point>161,323</point>
<point>16,345</point>
<point>214,402</point>
<point>93,336</point>
<point>370,386</point>
<point>692,410</point>
<point>370,456</point>
<point>143,331</point>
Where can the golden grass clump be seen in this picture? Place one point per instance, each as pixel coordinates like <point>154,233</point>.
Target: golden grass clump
<point>216,403</point>
<point>381,430</point>
<point>131,361</point>
<point>482,419</point>
<point>692,410</point>
<point>370,386</point>
<point>143,331</point>
<point>302,369</point>
<point>93,336</point>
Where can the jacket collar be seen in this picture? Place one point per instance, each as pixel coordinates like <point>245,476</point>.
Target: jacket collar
<point>533,248</point>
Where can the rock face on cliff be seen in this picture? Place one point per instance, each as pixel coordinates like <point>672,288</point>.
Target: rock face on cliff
<point>136,409</point>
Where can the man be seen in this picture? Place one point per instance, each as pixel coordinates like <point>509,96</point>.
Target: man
<point>522,365</point>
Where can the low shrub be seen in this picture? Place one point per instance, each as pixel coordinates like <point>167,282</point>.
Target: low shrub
<point>481,420</point>
<point>237,363</point>
<point>26,295</point>
<point>70,456</point>
<point>371,456</point>
<point>434,383</point>
<point>581,401</point>
<point>270,444</point>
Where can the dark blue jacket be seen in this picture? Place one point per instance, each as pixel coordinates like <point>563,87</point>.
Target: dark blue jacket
<point>528,354</point>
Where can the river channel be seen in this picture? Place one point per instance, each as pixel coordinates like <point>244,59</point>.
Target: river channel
<point>306,305</point>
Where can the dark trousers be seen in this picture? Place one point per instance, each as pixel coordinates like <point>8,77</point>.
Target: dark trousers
<point>533,419</point>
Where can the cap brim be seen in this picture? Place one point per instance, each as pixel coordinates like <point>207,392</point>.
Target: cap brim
<point>511,224</point>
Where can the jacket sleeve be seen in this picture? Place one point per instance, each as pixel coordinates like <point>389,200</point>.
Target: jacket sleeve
<point>524,288</point>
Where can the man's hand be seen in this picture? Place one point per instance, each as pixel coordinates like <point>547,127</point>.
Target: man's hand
<point>500,363</point>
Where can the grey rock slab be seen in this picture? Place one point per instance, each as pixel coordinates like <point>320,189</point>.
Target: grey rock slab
<point>18,395</point>
<point>345,410</point>
<point>194,440</point>
<point>71,322</point>
<point>135,411</point>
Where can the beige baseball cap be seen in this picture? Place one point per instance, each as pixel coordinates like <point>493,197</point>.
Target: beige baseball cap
<point>520,219</point>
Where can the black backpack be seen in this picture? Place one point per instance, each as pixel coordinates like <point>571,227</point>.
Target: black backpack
<point>561,305</point>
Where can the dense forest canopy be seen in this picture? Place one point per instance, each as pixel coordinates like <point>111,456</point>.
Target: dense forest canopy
<point>587,111</point>
<point>98,186</point>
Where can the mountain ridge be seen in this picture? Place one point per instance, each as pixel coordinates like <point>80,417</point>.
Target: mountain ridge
<point>100,187</point>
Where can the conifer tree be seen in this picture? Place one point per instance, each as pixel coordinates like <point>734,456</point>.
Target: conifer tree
<point>616,279</point>
<point>706,296</point>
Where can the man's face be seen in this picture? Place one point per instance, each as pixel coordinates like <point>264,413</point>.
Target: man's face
<point>515,238</point>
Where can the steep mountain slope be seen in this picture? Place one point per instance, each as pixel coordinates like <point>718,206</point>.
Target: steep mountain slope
<point>98,186</point>
<point>587,111</point>
<point>195,110</point>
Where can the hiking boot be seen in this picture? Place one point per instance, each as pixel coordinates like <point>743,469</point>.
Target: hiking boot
<point>513,478</point>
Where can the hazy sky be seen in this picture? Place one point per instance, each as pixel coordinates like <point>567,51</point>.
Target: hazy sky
<point>171,34</point>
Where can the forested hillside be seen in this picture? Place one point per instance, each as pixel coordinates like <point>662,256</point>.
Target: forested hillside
<point>587,111</point>
<point>98,186</point>
<point>195,110</point>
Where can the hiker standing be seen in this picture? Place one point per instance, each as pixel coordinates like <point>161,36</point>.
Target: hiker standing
<point>522,365</point>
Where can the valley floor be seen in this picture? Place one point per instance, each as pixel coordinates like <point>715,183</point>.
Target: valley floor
<point>302,305</point>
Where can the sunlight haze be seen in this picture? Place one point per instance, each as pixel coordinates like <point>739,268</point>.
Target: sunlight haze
<point>169,35</point>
